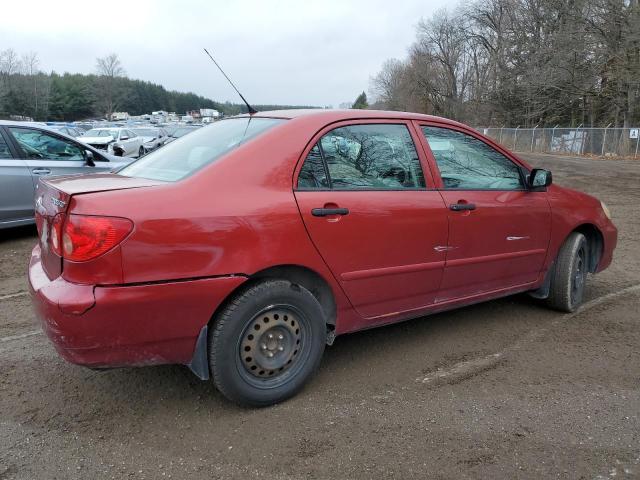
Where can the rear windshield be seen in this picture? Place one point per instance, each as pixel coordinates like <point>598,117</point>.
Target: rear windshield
<point>185,155</point>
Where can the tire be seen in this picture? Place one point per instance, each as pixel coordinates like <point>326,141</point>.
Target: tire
<point>140,152</point>
<point>569,277</point>
<point>266,343</point>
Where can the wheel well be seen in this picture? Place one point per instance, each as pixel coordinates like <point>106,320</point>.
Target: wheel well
<point>303,276</point>
<point>595,241</point>
<point>308,279</point>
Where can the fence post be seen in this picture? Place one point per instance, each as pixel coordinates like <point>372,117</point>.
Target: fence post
<point>533,135</point>
<point>573,143</point>
<point>500,141</point>
<point>553,132</point>
<point>604,139</point>
<point>515,137</point>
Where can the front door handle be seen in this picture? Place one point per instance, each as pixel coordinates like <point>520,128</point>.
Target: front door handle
<point>458,207</point>
<point>325,212</point>
<point>41,171</point>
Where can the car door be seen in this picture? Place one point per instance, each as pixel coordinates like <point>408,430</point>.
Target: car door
<point>46,153</point>
<point>129,142</point>
<point>498,229</point>
<point>373,215</point>
<point>135,142</point>
<point>16,185</point>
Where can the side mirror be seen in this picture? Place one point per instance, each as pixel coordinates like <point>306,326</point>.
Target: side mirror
<point>88,158</point>
<point>539,179</point>
<point>124,137</point>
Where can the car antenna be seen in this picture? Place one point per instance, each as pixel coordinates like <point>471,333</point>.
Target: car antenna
<point>249,107</point>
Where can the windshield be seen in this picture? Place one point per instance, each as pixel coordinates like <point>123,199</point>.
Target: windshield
<point>184,156</point>
<point>181,132</point>
<point>145,132</point>
<point>100,132</point>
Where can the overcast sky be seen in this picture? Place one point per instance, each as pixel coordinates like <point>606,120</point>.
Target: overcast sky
<point>277,52</point>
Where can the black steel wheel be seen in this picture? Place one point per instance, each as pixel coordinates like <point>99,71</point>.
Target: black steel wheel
<point>266,343</point>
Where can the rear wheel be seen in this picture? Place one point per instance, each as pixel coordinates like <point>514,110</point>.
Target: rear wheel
<point>267,343</point>
<point>570,274</point>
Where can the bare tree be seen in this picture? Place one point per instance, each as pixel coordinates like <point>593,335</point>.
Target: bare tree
<point>9,62</point>
<point>110,66</point>
<point>522,62</point>
<point>30,64</point>
<point>109,69</point>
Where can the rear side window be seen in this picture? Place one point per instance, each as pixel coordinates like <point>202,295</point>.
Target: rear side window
<point>201,147</point>
<point>367,156</point>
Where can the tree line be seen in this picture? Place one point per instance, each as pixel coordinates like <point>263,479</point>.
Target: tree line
<point>521,62</point>
<point>27,91</point>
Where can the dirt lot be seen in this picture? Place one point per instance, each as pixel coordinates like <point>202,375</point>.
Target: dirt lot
<point>505,389</point>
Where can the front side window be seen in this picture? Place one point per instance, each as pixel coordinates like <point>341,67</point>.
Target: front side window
<point>39,145</point>
<point>370,157</point>
<point>203,146</point>
<point>466,163</point>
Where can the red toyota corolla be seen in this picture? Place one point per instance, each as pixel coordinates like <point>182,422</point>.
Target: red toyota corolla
<point>244,248</point>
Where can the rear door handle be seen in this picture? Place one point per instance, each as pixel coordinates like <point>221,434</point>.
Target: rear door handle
<point>458,207</point>
<point>325,212</point>
<point>41,171</point>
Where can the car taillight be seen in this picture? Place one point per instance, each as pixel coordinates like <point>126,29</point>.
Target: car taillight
<point>85,237</point>
<point>56,234</point>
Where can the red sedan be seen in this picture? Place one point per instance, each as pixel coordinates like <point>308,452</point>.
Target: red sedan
<point>244,248</point>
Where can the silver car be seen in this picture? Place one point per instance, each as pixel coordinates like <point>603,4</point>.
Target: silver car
<point>115,141</point>
<point>27,152</point>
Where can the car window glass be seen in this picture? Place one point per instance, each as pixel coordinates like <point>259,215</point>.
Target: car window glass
<point>38,145</point>
<point>372,156</point>
<point>467,163</point>
<point>4,149</point>
<point>313,173</point>
<point>204,146</point>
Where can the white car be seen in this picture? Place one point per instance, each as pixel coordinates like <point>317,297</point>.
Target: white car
<point>152,137</point>
<point>120,142</point>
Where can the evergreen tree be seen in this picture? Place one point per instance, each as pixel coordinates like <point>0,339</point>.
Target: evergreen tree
<point>361,102</point>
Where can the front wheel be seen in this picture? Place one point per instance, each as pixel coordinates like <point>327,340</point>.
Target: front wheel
<point>570,274</point>
<point>141,152</point>
<point>266,343</point>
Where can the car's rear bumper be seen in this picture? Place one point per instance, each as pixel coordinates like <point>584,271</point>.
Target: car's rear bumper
<point>128,325</point>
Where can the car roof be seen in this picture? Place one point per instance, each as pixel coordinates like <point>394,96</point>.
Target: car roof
<point>12,123</point>
<point>350,114</point>
<point>37,125</point>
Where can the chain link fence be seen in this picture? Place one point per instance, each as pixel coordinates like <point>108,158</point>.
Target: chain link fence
<point>601,142</point>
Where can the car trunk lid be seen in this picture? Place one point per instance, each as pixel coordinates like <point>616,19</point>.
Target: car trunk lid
<point>53,200</point>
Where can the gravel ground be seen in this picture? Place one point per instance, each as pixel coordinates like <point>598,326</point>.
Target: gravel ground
<point>505,389</point>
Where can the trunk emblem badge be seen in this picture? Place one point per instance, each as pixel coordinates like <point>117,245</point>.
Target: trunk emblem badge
<point>58,203</point>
